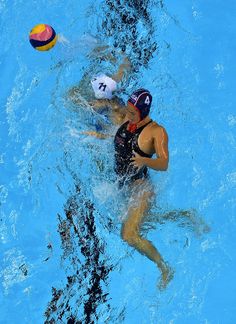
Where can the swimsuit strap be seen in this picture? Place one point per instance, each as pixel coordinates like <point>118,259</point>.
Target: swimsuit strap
<point>139,130</point>
<point>135,141</point>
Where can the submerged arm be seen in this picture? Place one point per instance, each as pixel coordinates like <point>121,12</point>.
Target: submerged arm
<point>96,134</point>
<point>122,69</point>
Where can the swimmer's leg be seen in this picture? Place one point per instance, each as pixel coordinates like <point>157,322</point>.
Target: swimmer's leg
<point>74,95</point>
<point>186,218</point>
<point>131,234</point>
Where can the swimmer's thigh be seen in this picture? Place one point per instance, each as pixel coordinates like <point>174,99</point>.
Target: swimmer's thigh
<point>139,203</point>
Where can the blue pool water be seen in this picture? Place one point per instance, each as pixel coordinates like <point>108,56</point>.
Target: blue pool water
<point>62,258</point>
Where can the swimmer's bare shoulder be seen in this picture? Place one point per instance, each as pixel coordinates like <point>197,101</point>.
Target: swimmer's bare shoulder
<point>159,139</point>
<point>157,130</point>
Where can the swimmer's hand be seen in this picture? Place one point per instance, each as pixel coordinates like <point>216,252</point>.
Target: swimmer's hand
<point>96,134</point>
<point>137,161</point>
<point>103,52</point>
<point>124,68</point>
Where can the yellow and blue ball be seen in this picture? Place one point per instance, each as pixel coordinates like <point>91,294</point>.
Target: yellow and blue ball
<point>42,37</point>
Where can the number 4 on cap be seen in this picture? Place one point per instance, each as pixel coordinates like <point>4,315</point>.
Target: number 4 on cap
<point>147,100</point>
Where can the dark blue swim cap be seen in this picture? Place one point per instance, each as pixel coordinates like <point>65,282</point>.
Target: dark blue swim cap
<point>142,100</point>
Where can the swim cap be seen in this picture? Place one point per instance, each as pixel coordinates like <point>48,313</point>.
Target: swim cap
<point>141,99</point>
<point>103,86</point>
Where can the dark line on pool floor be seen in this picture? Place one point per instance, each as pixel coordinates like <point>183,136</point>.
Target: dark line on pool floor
<point>78,231</point>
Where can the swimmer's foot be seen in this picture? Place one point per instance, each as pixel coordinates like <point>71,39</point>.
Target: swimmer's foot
<point>166,277</point>
<point>200,227</point>
<point>195,222</point>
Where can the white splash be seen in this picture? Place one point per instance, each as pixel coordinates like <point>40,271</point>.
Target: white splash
<point>27,147</point>
<point>219,70</point>
<point>19,93</point>
<point>196,14</point>
<point>103,191</point>
<point>15,270</point>
<point>3,194</point>
<point>231,120</point>
<point>13,218</point>
<point>227,184</point>
<point>3,232</point>
<point>207,244</point>
<point>198,177</point>
<point>2,158</point>
<point>231,177</point>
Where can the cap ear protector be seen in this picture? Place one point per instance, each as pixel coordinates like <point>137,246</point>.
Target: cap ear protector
<point>141,99</point>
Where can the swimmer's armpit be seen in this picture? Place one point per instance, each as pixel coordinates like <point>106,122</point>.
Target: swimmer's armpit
<point>96,134</point>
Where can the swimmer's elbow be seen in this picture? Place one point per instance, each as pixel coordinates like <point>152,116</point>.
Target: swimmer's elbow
<point>166,162</point>
<point>163,165</point>
<point>159,164</point>
<point>162,168</point>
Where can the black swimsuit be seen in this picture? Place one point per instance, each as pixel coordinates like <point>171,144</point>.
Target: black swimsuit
<point>125,143</point>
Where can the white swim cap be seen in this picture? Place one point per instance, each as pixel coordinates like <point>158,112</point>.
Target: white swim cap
<point>103,86</point>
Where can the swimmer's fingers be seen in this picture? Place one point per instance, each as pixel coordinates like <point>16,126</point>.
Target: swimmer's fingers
<point>134,159</point>
<point>137,160</point>
<point>134,163</point>
<point>137,167</point>
<point>136,156</point>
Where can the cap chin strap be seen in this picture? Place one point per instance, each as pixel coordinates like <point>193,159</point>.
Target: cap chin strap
<point>132,127</point>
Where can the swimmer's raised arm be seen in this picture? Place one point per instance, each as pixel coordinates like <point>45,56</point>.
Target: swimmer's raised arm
<point>122,69</point>
<point>108,54</point>
<point>103,52</point>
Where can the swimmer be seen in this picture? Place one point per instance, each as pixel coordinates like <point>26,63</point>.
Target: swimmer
<point>99,91</point>
<point>136,141</point>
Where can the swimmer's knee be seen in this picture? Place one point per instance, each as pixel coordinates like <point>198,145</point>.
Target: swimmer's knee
<point>130,236</point>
